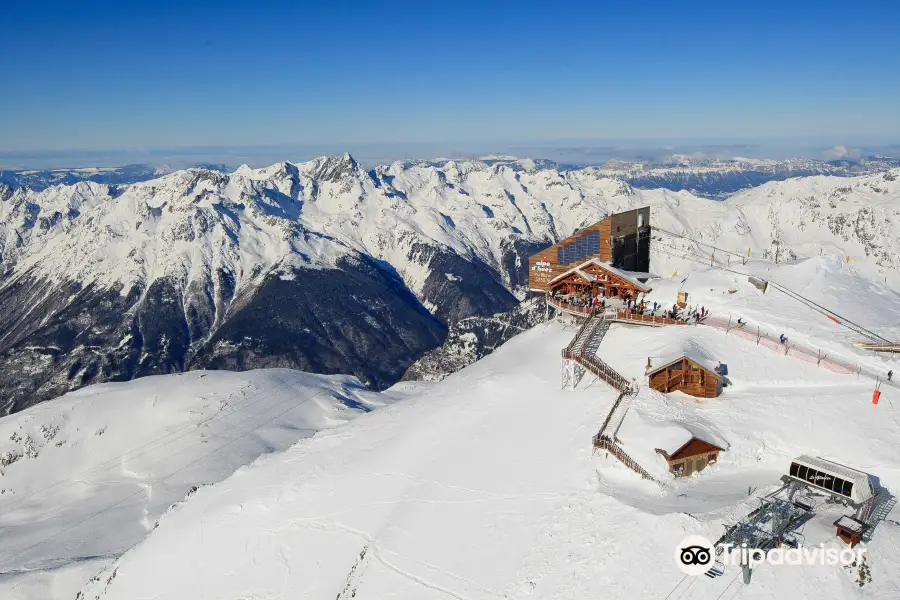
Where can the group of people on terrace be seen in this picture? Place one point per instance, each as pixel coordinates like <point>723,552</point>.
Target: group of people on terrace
<point>581,300</point>
<point>632,306</point>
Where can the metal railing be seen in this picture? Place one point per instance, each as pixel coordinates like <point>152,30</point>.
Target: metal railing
<point>609,416</point>
<point>585,328</point>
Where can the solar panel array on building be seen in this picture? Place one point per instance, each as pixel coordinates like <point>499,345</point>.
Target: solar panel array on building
<point>585,246</point>
<point>621,240</point>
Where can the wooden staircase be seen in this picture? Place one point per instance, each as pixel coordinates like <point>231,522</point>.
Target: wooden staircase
<point>579,357</point>
<point>613,448</point>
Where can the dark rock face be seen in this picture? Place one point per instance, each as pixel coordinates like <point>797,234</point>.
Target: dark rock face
<point>58,337</point>
<point>355,319</point>
<point>474,338</point>
<point>458,288</point>
<point>515,260</point>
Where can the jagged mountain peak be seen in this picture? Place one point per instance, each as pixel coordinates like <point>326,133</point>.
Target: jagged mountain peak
<point>443,241</point>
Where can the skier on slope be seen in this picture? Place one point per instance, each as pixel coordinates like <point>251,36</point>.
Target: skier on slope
<point>890,374</point>
<point>782,338</point>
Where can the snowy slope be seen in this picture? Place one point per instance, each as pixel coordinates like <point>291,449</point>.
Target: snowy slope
<point>179,272</point>
<point>88,475</point>
<point>484,485</point>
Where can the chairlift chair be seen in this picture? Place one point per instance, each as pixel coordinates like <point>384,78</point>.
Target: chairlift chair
<point>805,502</point>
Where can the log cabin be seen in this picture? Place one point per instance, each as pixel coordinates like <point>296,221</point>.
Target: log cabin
<point>698,377</point>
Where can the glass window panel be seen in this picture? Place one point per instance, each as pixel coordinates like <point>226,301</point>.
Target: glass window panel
<point>848,488</point>
<point>794,468</point>
<point>811,475</point>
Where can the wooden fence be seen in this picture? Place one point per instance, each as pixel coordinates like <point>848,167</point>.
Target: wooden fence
<point>605,443</point>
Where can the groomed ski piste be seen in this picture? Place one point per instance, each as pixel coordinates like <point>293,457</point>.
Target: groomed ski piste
<point>485,485</point>
<point>86,476</point>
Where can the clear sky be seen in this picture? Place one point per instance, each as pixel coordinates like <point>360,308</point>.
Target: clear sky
<point>135,75</point>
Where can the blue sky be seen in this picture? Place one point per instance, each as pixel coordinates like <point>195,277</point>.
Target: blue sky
<point>137,75</point>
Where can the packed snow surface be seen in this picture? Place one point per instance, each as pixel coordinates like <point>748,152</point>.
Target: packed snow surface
<point>484,485</point>
<point>88,475</point>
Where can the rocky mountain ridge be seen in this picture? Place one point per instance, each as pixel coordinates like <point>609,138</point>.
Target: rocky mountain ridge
<point>330,267</point>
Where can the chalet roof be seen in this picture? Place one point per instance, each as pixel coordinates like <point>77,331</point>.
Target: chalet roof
<point>850,524</point>
<point>587,276</point>
<point>606,267</point>
<point>693,447</point>
<point>641,437</point>
<point>661,363</point>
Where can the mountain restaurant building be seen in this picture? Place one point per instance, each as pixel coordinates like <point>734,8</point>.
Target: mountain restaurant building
<point>596,278</point>
<point>621,241</point>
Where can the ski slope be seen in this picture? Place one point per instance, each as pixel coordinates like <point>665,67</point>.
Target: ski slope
<point>484,485</point>
<point>89,474</point>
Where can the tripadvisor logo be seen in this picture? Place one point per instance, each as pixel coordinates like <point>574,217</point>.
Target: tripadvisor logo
<point>695,555</point>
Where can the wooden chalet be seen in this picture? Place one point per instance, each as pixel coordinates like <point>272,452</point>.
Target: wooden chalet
<point>621,240</point>
<point>596,278</point>
<point>667,446</point>
<point>694,376</point>
<point>694,455</point>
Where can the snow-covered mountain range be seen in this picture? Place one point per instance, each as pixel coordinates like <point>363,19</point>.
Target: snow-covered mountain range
<point>720,178</point>
<point>39,179</point>
<point>329,267</point>
<point>707,177</point>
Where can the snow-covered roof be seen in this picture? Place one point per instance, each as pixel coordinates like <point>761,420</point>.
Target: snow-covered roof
<point>862,487</point>
<point>606,267</point>
<point>587,276</point>
<point>850,524</point>
<point>697,357</point>
<point>638,274</point>
<point>641,437</point>
<point>834,468</point>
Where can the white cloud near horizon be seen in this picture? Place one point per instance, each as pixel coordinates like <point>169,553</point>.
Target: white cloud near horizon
<point>840,152</point>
